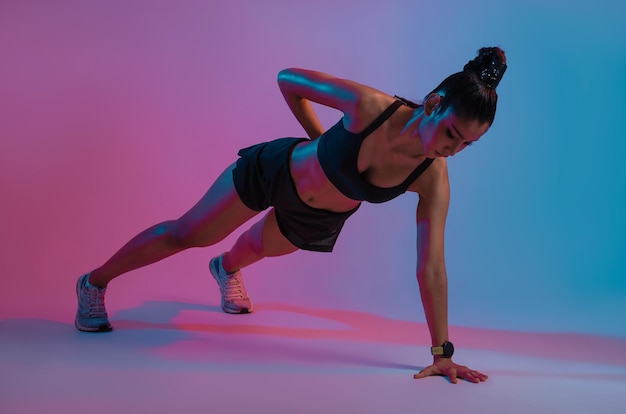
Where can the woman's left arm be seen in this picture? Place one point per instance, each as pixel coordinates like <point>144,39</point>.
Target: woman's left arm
<point>432,211</point>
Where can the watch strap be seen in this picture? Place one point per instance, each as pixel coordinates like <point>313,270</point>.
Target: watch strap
<point>436,350</point>
<point>446,350</point>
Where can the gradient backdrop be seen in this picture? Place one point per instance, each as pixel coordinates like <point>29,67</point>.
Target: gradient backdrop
<point>115,115</point>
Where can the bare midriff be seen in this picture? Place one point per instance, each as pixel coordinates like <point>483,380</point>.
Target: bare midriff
<point>382,163</point>
<point>312,185</point>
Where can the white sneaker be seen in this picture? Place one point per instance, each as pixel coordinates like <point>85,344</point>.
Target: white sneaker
<point>234,296</point>
<point>91,315</point>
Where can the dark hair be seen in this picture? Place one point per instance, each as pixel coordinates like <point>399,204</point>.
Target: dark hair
<point>472,92</point>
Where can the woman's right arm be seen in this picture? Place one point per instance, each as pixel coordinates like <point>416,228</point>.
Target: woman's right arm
<point>434,199</point>
<point>300,87</point>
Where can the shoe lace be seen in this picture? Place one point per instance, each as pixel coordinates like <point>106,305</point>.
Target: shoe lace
<point>233,287</point>
<point>96,303</point>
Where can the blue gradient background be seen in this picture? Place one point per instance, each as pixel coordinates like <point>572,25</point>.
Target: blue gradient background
<point>117,115</point>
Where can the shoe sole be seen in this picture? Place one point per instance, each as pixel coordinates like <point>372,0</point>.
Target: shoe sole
<point>77,324</point>
<point>214,272</point>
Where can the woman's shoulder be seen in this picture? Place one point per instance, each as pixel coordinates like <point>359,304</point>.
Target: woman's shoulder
<point>371,103</point>
<point>433,180</point>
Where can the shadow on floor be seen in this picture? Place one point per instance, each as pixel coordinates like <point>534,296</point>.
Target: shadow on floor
<point>284,334</point>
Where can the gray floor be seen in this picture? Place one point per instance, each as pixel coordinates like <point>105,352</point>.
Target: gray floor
<point>173,356</point>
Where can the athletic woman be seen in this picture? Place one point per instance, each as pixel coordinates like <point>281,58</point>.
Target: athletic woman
<point>382,147</point>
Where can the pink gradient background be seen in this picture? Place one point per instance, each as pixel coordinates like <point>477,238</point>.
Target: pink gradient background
<point>117,115</point>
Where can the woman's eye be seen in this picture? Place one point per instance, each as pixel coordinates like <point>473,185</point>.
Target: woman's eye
<point>449,134</point>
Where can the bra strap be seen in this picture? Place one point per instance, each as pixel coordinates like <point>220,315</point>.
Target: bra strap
<point>418,171</point>
<point>381,118</point>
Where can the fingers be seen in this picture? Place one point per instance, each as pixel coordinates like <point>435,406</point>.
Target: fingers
<point>424,373</point>
<point>474,376</point>
<point>453,374</point>
<point>471,376</point>
<point>482,377</point>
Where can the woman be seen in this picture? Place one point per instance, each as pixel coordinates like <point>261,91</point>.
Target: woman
<point>382,147</point>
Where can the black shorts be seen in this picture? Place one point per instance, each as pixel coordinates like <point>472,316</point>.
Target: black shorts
<point>262,179</point>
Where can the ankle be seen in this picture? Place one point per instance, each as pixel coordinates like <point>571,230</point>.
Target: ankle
<point>95,282</point>
<point>227,265</point>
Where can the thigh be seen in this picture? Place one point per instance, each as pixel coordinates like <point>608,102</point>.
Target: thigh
<point>218,213</point>
<point>267,238</point>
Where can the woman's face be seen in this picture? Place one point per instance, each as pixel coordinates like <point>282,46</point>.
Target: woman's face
<point>444,134</point>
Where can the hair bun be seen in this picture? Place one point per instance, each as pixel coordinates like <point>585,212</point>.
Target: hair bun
<point>489,66</point>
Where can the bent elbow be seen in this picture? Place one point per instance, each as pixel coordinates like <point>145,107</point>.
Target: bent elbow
<point>282,74</point>
<point>285,75</point>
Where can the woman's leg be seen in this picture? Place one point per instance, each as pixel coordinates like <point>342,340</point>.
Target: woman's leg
<point>219,212</point>
<point>263,239</point>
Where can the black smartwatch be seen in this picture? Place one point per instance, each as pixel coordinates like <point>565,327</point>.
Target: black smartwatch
<point>446,350</point>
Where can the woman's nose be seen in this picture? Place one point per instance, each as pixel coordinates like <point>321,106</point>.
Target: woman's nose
<point>456,147</point>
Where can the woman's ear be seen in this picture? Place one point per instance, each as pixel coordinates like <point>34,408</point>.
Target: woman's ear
<point>432,103</point>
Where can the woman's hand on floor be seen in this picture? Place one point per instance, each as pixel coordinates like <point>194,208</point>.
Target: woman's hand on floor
<point>447,368</point>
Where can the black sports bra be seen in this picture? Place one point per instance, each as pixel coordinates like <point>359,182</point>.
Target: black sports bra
<point>338,152</point>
